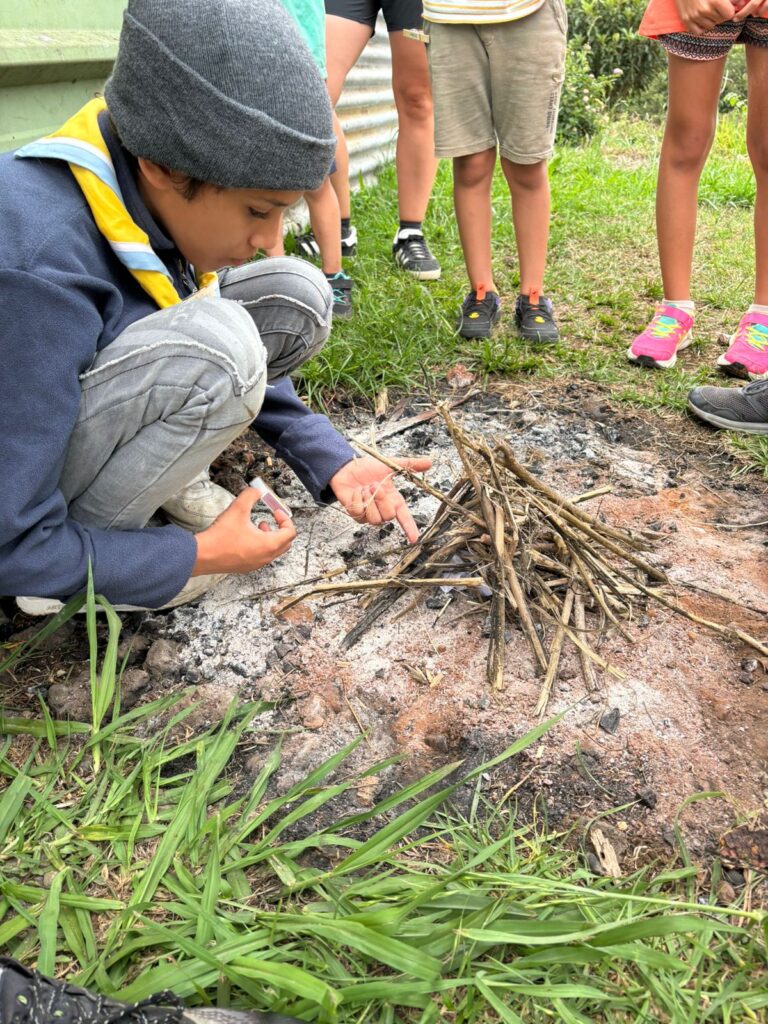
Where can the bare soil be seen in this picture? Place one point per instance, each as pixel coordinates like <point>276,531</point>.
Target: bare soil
<point>692,706</point>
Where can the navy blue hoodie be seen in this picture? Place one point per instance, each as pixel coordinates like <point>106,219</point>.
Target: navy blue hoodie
<point>64,296</point>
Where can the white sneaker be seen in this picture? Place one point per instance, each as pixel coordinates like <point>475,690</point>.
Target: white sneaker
<point>192,590</point>
<point>39,605</point>
<point>194,508</point>
<point>198,504</point>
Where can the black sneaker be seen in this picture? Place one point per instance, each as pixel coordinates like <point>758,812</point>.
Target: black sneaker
<point>743,409</point>
<point>342,285</point>
<point>349,243</point>
<point>535,321</point>
<point>479,312</point>
<point>306,244</point>
<point>28,997</point>
<point>412,253</point>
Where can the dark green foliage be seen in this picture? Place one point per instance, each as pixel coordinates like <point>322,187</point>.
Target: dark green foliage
<point>583,99</point>
<point>615,51</point>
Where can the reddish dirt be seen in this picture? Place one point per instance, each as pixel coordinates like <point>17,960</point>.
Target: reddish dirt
<point>693,706</point>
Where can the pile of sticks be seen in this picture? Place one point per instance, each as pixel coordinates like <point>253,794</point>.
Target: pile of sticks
<point>547,563</point>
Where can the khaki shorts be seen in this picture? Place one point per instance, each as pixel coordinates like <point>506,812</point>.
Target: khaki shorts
<point>499,84</point>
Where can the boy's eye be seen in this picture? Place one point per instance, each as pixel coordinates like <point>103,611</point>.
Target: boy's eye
<point>260,214</point>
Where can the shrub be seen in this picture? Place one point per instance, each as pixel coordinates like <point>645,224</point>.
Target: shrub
<point>582,103</point>
<point>616,51</point>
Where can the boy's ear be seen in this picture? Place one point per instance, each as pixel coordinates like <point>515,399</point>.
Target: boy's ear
<point>158,176</point>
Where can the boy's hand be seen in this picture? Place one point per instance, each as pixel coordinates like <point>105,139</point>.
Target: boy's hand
<point>234,544</point>
<point>699,16</point>
<point>365,489</point>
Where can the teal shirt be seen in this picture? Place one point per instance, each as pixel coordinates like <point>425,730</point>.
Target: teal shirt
<point>309,16</point>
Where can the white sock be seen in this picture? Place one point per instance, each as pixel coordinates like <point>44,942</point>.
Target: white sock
<point>757,308</point>
<point>686,305</point>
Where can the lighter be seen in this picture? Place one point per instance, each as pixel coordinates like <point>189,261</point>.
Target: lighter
<point>270,499</point>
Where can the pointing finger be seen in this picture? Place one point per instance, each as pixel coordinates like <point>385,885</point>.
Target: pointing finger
<point>407,523</point>
<point>415,465</point>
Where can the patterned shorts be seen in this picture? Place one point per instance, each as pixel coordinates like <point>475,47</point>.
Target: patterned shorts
<point>718,41</point>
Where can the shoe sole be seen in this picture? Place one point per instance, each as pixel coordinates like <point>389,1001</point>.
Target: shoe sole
<point>538,340</point>
<point>738,370</point>
<point>475,336</point>
<point>718,421</point>
<point>659,364</point>
<point>423,275</point>
<point>37,607</point>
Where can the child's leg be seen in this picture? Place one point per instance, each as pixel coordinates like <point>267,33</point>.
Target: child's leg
<point>174,389</point>
<point>472,178</point>
<point>415,155</point>
<point>340,177</point>
<point>747,355</point>
<point>345,40</point>
<point>757,146</point>
<point>325,220</point>
<point>529,189</point>
<point>694,88</point>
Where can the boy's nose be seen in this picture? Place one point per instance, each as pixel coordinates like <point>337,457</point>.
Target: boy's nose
<point>265,236</point>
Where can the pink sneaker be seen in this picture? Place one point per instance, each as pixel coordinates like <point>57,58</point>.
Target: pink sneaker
<point>667,334</point>
<point>747,355</point>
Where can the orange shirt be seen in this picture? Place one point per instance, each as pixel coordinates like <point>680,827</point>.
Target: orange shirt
<point>662,16</point>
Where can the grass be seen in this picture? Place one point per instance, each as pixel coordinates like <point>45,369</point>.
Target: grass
<point>603,276</point>
<point>137,856</point>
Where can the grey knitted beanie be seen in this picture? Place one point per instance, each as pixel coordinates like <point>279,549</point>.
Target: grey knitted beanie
<point>225,91</point>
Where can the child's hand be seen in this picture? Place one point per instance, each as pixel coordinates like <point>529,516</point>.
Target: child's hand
<point>699,16</point>
<point>234,544</point>
<point>751,9</point>
<point>365,489</point>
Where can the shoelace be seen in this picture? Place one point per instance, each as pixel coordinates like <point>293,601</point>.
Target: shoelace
<point>135,1014</point>
<point>663,326</point>
<point>539,309</point>
<point>755,335</point>
<point>756,387</point>
<point>417,247</point>
<point>479,300</point>
<point>47,996</point>
<point>341,288</point>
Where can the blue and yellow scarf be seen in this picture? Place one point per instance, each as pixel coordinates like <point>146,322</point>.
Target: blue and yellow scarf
<point>80,143</point>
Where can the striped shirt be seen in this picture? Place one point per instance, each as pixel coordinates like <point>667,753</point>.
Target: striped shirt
<point>478,12</point>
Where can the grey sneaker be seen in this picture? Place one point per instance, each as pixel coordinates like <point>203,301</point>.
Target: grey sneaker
<point>743,409</point>
<point>29,997</point>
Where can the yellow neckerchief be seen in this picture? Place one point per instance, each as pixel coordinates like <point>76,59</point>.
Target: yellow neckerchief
<point>80,143</point>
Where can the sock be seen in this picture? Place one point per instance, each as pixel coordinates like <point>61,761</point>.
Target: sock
<point>686,305</point>
<point>757,308</point>
<point>346,223</point>
<point>414,225</point>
